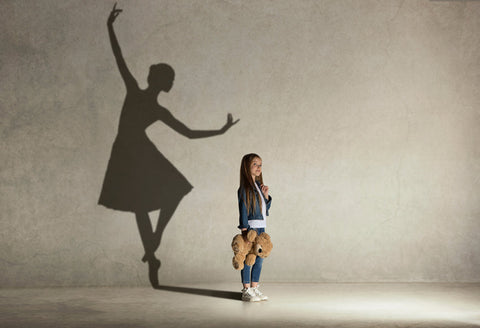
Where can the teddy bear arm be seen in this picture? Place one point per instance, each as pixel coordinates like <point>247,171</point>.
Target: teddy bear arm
<point>250,259</point>
<point>237,265</point>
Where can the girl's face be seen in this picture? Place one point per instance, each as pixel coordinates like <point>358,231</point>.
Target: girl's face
<point>256,167</point>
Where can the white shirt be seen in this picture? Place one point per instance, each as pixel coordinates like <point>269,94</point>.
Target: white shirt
<point>260,223</point>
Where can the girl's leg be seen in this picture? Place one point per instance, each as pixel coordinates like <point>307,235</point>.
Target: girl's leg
<point>257,266</point>
<point>245,274</point>
<point>256,270</point>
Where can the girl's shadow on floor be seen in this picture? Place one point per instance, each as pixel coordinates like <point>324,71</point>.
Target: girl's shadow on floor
<point>204,292</point>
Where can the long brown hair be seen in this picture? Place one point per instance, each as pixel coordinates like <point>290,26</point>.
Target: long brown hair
<point>246,182</point>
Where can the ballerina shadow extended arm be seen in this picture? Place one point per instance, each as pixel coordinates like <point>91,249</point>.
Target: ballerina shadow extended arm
<point>181,128</point>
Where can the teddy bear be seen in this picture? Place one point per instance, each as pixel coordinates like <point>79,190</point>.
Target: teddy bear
<point>257,245</point>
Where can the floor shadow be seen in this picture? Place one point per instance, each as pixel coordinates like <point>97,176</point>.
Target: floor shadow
<point>204,292</point>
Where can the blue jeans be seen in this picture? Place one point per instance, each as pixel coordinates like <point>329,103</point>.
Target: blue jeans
<point>255,269</point>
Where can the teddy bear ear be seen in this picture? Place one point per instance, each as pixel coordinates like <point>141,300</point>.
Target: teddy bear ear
<point>266,235</point>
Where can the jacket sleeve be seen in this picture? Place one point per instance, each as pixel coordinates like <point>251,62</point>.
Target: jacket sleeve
<point>242,209</point>
<point>268,202</point>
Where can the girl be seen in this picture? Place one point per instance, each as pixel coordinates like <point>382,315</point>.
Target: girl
<point>253,204</point>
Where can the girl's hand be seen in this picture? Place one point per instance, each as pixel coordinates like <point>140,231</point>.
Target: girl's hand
<point>265,191</point>
<point>113,14</point>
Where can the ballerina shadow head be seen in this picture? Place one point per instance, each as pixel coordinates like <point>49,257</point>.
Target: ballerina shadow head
<point>161,77</point>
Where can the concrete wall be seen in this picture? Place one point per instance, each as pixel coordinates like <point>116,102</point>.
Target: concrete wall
<point>365,113</point>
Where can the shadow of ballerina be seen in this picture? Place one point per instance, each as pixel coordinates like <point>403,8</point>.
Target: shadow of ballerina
<point>139,178</point>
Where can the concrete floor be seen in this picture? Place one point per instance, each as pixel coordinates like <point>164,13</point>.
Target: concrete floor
<point>290,305</point>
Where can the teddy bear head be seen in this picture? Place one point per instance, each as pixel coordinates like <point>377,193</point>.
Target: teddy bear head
<point>262,246</point>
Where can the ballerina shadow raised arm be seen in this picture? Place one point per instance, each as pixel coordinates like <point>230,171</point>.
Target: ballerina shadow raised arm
<point>128,78</point>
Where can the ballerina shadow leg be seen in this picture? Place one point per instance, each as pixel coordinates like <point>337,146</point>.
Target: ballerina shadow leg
<point>148,241</point>
<point>164,217</point>
<point>146,234</point>
<point>151,240</point>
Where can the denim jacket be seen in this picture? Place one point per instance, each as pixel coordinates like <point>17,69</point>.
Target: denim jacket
<point>242,207</point>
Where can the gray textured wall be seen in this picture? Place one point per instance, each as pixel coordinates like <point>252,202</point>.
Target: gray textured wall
<point>366,114</point>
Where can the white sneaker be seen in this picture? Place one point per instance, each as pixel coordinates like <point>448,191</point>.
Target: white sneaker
<point>259,294</point>
<point>249,295</point>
